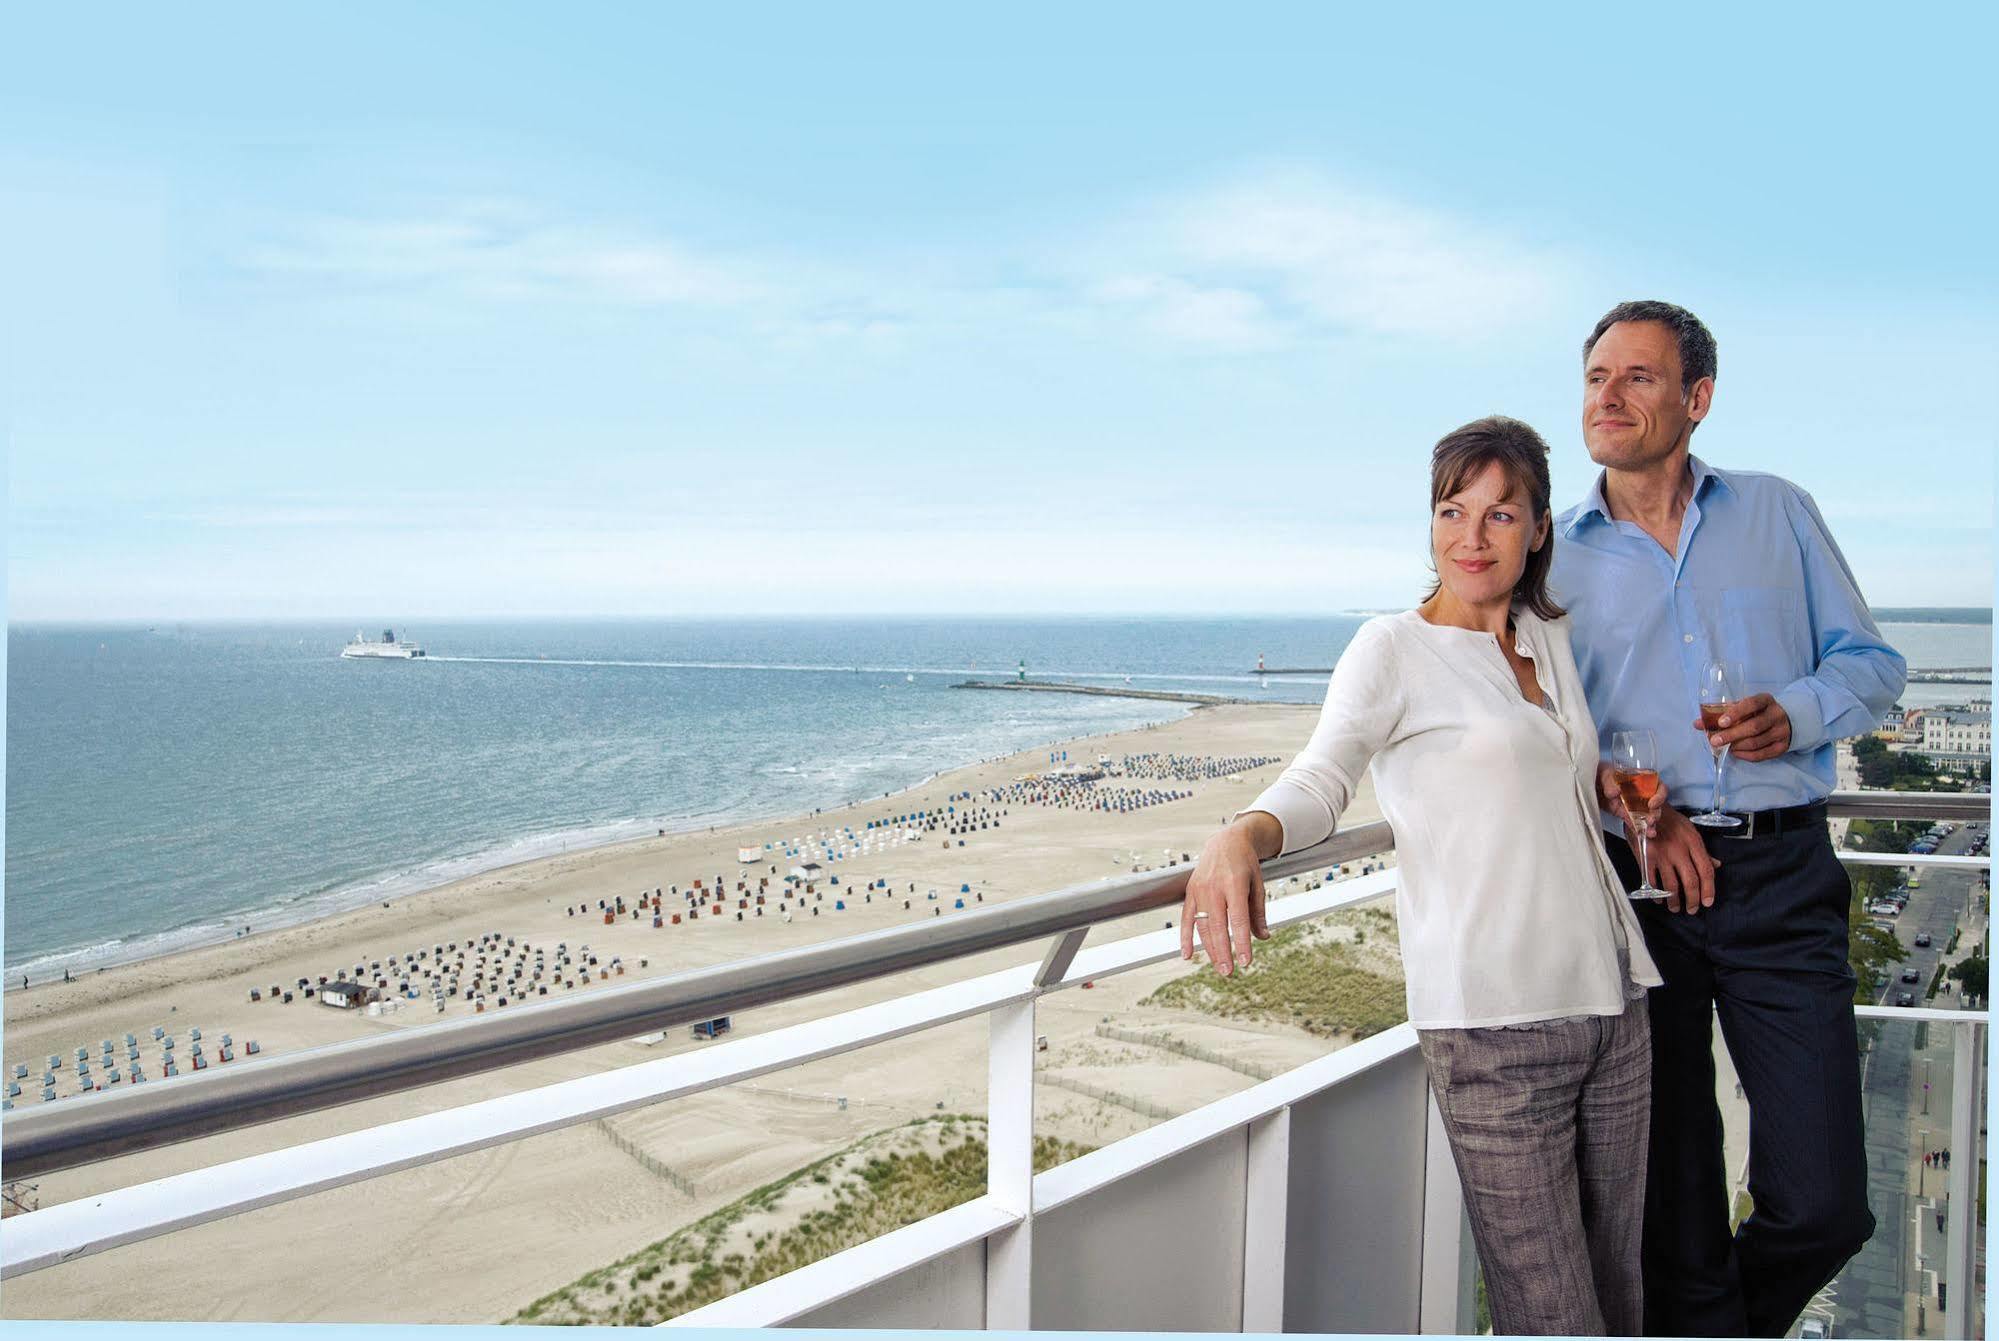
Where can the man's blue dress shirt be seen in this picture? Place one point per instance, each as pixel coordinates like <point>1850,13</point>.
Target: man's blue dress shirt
<point>1756,579</point>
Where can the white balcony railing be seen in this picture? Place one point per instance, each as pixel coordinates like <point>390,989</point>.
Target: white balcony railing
<point>1321,1200</point>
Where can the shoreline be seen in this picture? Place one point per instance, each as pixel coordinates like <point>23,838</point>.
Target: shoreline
<point>567,1202</point>
<point>273,923</point>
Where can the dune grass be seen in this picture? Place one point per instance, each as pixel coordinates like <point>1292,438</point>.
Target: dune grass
<point>1324,977</point>
<point>881,1182</point>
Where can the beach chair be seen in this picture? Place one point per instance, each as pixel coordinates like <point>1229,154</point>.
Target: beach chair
<point>195,1034</point>
<point>13,1089</point>
<point>48,1094</point>
<point>250,1048</point>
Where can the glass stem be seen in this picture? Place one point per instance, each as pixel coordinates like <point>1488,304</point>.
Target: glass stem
<point>1720,766</point>
<point>1644,860</point>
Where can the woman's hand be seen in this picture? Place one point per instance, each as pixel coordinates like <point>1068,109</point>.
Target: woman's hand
<point>1224,904</point>
<point>1680,861</point>
<point>1612,799</point>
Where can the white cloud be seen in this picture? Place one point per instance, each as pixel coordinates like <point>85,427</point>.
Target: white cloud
<point>1253,264</point>
<point>1293,254</point>
<point>491,251</point>
<point>1225,318</point>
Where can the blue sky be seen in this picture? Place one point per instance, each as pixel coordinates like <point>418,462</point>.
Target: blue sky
<point>385,312</point>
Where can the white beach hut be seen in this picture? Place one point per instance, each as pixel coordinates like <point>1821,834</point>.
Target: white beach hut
<point>344,995</point>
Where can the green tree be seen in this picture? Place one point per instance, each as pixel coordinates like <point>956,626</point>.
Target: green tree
<point>1873,951</point>
<point>1971,972</point>
<point>1882,835</point>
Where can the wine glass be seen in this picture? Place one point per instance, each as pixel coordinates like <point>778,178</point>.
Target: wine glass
<point>1721,686</point>
<point>1634,762</point>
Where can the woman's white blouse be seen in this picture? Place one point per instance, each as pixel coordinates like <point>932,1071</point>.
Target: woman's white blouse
<point>1507,907</point>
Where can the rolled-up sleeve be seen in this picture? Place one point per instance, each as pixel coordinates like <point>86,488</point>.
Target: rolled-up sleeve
<point>1858,676</point>
<point>1364,704</point>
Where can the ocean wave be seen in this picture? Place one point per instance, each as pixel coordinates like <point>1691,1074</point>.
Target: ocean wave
<point>806,784</point>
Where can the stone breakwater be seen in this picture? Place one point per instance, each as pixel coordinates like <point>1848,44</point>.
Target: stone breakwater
<point>1104,691</point>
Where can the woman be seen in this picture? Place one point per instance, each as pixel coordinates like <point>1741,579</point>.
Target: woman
<point>1526,969</point>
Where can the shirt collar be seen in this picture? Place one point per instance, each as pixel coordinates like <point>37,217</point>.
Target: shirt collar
<point>1594,504</point>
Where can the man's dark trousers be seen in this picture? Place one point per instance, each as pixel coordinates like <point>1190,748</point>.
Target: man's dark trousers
<point>1770,960</point>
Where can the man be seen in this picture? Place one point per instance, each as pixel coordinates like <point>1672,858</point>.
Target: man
<point>1668,564</point>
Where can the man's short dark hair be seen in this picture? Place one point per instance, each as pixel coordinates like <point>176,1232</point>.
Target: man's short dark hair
<point>1695,340</point>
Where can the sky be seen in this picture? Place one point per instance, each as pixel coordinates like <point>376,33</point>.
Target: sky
<point>385,312</point>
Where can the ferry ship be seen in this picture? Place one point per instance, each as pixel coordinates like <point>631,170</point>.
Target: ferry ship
<point>388,647</point>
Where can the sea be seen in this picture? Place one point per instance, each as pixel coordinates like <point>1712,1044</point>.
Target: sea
<point>175,785</point>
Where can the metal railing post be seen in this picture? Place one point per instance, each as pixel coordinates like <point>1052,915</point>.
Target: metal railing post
<point>1010,1163</point>
<point>1967,1083</point>
<point>1265,1222</point>
<point>1448,1306</point>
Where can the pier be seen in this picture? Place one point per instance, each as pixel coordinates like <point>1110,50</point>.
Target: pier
<point>1104,691</point>
<point>1951,675</point>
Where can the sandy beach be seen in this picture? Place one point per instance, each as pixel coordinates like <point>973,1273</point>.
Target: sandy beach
<point>476,1238</point>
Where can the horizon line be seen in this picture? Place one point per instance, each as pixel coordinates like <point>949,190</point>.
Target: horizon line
<point>817,616</point>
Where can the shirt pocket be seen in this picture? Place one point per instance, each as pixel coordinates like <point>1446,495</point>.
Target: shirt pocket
<point>1761,627</point>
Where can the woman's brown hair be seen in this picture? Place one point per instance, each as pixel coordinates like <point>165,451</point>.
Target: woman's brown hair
<point>1523,458</point>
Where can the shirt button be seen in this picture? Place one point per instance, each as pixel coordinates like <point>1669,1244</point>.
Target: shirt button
<point>1686,637</point>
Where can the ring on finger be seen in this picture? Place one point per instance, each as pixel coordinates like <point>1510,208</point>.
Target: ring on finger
<point>1199,916</point>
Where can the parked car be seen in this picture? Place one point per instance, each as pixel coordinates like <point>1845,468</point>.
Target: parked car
<point>1910,975</point>
<point>1922,940</point>
<point>1883,908</point>
<point>1905,998</point>
<point>1814,1329</point>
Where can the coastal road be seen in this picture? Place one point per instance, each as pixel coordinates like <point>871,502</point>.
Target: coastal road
<point>1877,1293</point>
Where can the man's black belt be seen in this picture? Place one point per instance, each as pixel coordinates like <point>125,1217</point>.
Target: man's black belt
<point>1768,823</point>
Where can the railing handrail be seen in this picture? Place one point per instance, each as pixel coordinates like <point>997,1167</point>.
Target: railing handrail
<point>50,1138</point>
